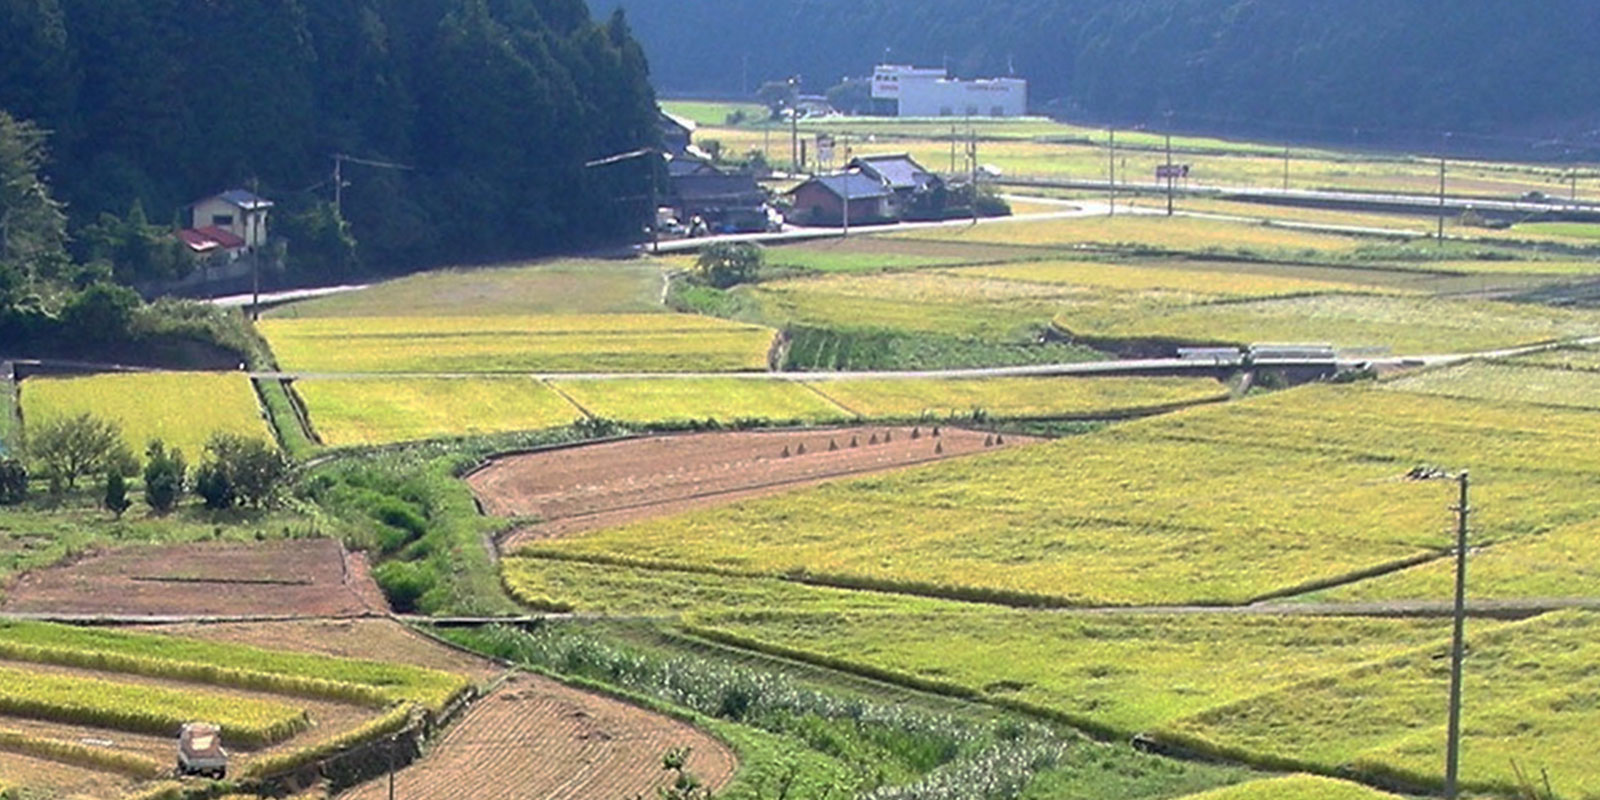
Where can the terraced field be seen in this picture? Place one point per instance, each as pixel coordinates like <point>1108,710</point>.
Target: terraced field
<point>548,343</point>
<point>1018,398</point>
<point>678,400</point>
<point>1178,234</point>
<point>182,409</point>
<point>1507,382</point>
<point>101,707</point>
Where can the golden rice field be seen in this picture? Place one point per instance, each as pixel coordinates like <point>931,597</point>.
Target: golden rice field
<point>1506,382</point>
<point>1185,234</point>
<point>1295,787</point>
<point>1583,359</point>
<point>566,286</point>
<point>548,343</point>
<point>1018,398</point>
<point>1218,504</point>
<point>378,411</point>
<point>182,409</point>
<point>1535,703</point>
<point>677,400</point>
<point>1188,278</point>
<point>1405,325</point>
<point>920,302</point>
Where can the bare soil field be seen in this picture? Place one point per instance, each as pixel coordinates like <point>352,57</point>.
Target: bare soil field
<point>64,779</point>
<point>373,639</point>
<point>301,578</point>
<point>536,738</point>
<point>587,488</point>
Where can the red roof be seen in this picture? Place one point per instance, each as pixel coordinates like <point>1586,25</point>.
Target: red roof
<point>209,238</point>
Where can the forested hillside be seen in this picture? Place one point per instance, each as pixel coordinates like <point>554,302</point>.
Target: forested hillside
<point>1316,68</point>
<point>493,104</point>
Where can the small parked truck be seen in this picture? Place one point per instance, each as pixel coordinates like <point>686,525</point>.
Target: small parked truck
<point>200,751</point>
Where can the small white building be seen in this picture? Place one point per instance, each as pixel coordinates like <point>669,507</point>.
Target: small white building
<point>236,211</point>
<point>924,92</point>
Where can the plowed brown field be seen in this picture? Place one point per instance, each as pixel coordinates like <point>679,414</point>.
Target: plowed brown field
<point>302,578</point>
<point>597,486</point>
<point>534,738</point>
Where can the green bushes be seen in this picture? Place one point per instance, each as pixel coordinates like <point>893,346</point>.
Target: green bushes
<point>13,482</point>
<point>239,470</point>
<point>164,474</point>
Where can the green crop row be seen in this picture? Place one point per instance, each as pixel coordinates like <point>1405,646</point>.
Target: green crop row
<point>80,754</point>
<point>304,674</point>
<point>144,709</point>
<point>274,764</point>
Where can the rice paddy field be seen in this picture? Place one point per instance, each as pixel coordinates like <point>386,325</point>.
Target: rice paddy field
<point>1184,278</point>
<point>1159,511</point>
<point>1381,719</point>
<point>377,411</point>
<point>1176,234</point>
<point>544,343</point>
<point>1517,381</point>
<point>182,409</point>
<point>725,400</point>
<point>1018,398</point>
<point>553,287</point>
<point>1582,359</point>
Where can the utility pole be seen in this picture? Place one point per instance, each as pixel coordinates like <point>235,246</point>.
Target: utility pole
<point>1111,173</point>
<point>952,149</point>
<point>972,155</point>
<point>391,767</point>
<point>794,125</point>
<point>847,202</point>
<point>338,186</point>
<point>1286,169</point>
<point>1457,645</point>
<point>651,156</point>
<point>1441,199</point>
<point>1169,162</point>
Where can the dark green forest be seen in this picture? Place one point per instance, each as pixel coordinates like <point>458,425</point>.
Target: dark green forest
<point>136,108</point>
<point>1343,70</point>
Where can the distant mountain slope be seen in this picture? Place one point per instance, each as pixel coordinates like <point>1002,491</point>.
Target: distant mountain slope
<point>1316,66</point>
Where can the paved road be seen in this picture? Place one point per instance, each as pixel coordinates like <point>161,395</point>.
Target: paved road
<point>278,298</point>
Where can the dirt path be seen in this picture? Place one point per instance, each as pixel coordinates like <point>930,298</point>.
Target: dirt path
<point>534,738</point>
<point>588,488</point>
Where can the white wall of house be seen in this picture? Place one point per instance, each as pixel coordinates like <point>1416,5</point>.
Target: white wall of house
<point>251,226</point>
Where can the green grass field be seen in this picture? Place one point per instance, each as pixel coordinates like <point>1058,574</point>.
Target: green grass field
<point>1534,701</point>
<point>814,258</point>
<point>1018,398</point>
<point>725,400</point>
<point>1221,504</point>
<point>555,287</point>
<point>549,343</point>
<point>1581,231</point>
<point>1119,673</point>
<point>1295,787</point>
<point>711,113</point>
<point>1581,359</point>
<point>182,409</point>
<point>921,302</point>
<point>1505,383</point>
<point>376,411</point>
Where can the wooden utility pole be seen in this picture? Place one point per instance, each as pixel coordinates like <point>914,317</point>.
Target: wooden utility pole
<point>1441,199</point>
<point>794,125</point>
<point>1169,163</point>
<point>972,156</point>
<point>1111,173</point>
<point>1457,644</point>
<point>391,767</point>
<point>1286,169</point>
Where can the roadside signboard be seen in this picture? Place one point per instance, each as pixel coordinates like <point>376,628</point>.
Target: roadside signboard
<point>1174,171</point>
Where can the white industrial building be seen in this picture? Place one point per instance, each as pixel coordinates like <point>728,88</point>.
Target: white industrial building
<point>921,92</point>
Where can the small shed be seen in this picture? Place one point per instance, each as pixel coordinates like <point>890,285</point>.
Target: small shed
<point>822,200</point>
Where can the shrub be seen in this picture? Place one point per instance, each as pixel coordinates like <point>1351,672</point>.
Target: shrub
<point>727,264</point>
<point>405,582</point>
<point>116,497</point>
<point>13,482</point>
<point>211,482</point>
<point>240,469</point>
<point>164,472</point>
<point>70,447</point>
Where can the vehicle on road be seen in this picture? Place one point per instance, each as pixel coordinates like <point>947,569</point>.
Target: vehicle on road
<point>200,751</point>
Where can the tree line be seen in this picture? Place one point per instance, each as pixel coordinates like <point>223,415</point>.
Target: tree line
<point>1322,69</point>
<point>131,109</point>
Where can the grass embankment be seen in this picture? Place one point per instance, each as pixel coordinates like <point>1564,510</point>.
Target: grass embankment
<point>844,740</point>
<point>677,401</point>
<point>1295,787</point>
<point>548,343</point>
<point>1534,704</point>
<point>137,708</point>
<point>1582,359</point>
<point>1019,398</point>
<point>1524,382</point>
<point>234,665</point>
<point>78,753</point>
<point>375,411</point>
<point>1221,504</point>
<point>181,409</point>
